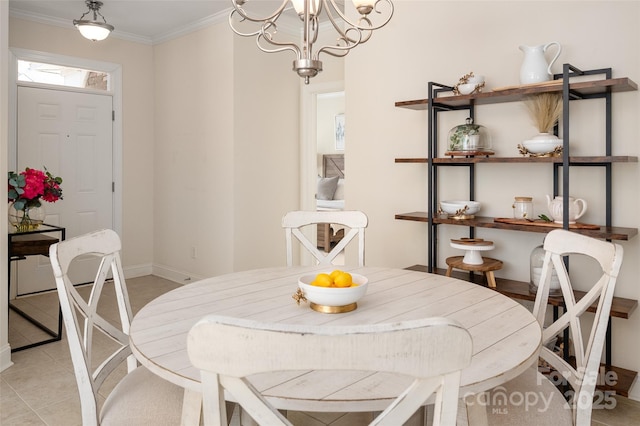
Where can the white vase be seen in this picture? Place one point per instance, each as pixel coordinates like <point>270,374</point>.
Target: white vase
<point>542,143</point>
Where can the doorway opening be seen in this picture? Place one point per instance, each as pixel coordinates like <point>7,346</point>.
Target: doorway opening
<point>311,159</point>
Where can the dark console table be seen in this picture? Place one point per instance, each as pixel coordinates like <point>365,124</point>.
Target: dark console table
<point>34,243</point>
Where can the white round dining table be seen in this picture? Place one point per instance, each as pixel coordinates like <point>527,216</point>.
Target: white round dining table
<point>506,336</point>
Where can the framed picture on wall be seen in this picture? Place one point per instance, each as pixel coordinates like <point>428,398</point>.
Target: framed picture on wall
<point>339,127</point>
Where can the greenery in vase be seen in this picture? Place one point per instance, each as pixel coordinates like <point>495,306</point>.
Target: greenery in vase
<point>457,138</point>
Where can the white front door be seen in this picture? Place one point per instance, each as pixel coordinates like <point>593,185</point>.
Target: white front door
<point>69,133</point>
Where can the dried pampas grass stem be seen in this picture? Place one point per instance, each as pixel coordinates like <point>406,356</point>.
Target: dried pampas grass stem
<point>545,109</point>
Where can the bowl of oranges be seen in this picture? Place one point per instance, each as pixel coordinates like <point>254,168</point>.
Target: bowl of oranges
<point>333,292</point>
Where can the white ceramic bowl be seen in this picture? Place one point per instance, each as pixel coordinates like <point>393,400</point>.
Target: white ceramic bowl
<point>467,88</point>
<point>476,79</point>
<point>333,296</point>
<point>542,146</point>
<point>451,207</point>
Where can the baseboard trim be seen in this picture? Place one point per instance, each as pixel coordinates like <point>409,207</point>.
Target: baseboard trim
<point>5,357</point>
<point>138,270</point>
<point>180,277</point>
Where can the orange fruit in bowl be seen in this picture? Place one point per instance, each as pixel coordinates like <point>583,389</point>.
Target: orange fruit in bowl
<point>322,280</point>
<point>343,279</point>
<point>335,273</point>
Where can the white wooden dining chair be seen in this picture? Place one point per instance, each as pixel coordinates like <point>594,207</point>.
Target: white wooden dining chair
<point>355,220</point>
<point>432,351</point>
<point>141,397</point>
<point>538,400</point>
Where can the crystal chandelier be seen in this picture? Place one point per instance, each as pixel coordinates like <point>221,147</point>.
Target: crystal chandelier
<point>349,33</point>
<point>93,29</point>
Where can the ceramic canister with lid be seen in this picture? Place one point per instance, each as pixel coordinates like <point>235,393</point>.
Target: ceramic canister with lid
<point>522,208</point>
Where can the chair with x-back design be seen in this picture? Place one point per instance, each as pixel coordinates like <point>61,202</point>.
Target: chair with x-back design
<point>550,406</point>
<point>431,351</point>
<point>141,397</point>
<point>294,221</point>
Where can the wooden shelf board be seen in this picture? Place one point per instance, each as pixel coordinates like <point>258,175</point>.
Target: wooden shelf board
<point>582,88</point>
<point>620,308</point>
<point>605,232</point>
<point>573,161</point>
<point>624,380</point>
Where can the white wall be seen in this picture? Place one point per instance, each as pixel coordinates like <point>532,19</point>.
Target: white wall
<point>193,154</point>
<point>266,153</point>
<point>441,41</point>
<point>226,154</point>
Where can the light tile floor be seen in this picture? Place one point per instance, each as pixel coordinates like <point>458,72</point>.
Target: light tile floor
<point>40,388</point>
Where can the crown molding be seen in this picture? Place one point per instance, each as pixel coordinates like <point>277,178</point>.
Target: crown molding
<point>64,23</point>
<point>191,27</point>
<point>287,25</point>
<point>161,38</point>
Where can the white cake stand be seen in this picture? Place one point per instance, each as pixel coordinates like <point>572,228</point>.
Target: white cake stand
<point>472,249</point>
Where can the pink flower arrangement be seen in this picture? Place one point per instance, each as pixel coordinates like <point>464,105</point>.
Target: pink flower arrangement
<point>27,188</point>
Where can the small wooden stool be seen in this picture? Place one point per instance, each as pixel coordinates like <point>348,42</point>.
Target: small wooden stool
<point>487,267</point>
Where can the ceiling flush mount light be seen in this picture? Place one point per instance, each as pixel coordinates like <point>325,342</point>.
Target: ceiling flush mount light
<point>93,29</point>
<point>349,33</point>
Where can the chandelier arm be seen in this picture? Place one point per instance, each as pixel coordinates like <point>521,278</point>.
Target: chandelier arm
<point>283,46</point>
<point>363,33</point>
<point>240,33</point>
<point>342,50</point>
<point>237,6</point>
<point>358,25</point>
<point>265,32</point>
<point>341,53</point>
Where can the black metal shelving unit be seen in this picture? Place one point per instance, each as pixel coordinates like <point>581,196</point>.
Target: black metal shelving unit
<point>574,85</point>
<point>436,104</point>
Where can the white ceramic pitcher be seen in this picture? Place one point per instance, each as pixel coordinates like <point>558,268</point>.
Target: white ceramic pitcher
<point>534,67</point>
<point>577,207</point>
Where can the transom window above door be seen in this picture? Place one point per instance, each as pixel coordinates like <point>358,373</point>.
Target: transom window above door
<point>36,72</point>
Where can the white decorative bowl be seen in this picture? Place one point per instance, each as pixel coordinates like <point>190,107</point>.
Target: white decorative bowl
<point>467,88</point>
<point>476,79</point>
<point>453,207</point>
<point>333,299</point>
<point>542,144</point>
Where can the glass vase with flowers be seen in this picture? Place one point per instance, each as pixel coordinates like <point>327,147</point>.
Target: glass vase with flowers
<point>26,192</point>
